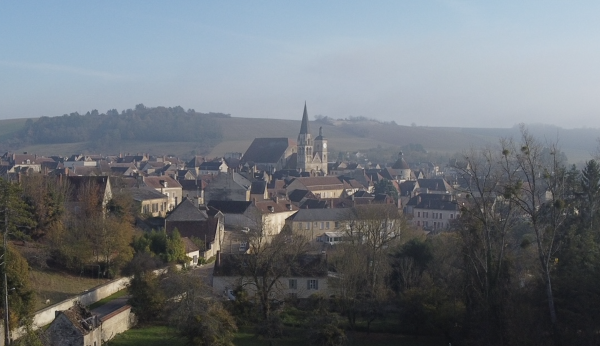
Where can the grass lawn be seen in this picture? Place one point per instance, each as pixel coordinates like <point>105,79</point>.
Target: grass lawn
<point>57,286</point>
<point>160,335</point>
<point>101,302</point>
<point>147,336</point>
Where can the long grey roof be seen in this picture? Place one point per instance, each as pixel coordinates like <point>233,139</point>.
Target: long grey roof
<point>321,214</point>
<point>187,211</point>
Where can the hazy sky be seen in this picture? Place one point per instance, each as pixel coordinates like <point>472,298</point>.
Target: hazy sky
<point>435,63</point>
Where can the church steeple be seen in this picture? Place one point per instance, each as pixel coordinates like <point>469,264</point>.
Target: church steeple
<point>304,130</point>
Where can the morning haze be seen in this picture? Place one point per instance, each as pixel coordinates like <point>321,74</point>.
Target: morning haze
<point>438,63</point>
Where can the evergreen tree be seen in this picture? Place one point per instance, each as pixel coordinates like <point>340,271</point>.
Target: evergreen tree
<point>590,186</point>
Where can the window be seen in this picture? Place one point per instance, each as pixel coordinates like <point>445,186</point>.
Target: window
<point>293,295</point>
<point>452,216</point>
<point>292,284</point>
<point>307,225</point>
<point>312,284</point>
<point>418,214</point>
<point>322,224</point>
<point>337,224</point>
<point>418,223</point>
<point>327,225</point>
<point>441,216</point>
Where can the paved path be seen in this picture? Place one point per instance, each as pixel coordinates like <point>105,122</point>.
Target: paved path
<point>205,273</point>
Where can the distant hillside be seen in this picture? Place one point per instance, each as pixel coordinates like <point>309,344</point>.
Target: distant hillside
<point>185,133</point>
<point>112,131</point>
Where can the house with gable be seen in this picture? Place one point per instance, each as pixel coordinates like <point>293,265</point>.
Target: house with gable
<point>268,215</point>
<point>313,223</point>
<point>75,327</point>
<point>192,251</point>
<point>148,201</point>
<point>168,187</point>
<point>228,187</point>
<point>213,167</point>
<point>307,275</point>
<point>433,211</point>
<point>207,224</point>
<point>435,185</point>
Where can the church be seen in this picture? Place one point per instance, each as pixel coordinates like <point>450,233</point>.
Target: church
<point>312,154</point>
<point>308,155</point>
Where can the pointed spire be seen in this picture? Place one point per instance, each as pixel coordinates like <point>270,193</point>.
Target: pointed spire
<point>304,127</point>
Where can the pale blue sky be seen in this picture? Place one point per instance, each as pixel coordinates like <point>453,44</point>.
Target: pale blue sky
<point>435,63</point>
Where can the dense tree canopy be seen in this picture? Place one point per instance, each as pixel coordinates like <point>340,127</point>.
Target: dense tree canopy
<point>159,124</point>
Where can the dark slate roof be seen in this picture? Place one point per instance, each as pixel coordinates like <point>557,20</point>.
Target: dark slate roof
<point>308,265</point>
<point>437,184</point>
<point>299,195</point>
<point>187,211</point>
<point>407,187</point>
<point>154,182</point>
<point>304,129</point>
<point>211,165</point>
<point>258,187</point>
<point>400,163</point>
<point>320,136</point>
<point>320,215</point>
<point>437,204</point>
<point>312,203</point>
<point>428,197</point>
<point>266,150</point>
<point>230,207</point>
<point>362,194</point>
<point>192,185</point>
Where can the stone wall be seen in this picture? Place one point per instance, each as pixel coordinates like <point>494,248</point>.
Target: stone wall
<point>117,322</point>
<point>46,315</point>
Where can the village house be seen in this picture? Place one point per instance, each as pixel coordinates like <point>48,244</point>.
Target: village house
<point>228,187</point>
<point>213,167</point>
<point>322,187</point>
<point>267,216</point>
<point>148,201</point>
<point>312,223</point>
<point>168,187</point>
<point>307,276</point>
<point>433,211</point>
<point>206,224</point>
<point>75,327</point>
